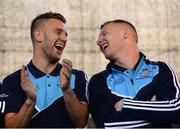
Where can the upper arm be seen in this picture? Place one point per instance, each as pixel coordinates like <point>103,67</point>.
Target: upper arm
<point>80,85</point>
<point>13,94</point>
<point>102,102</point>
<point>168,83</point>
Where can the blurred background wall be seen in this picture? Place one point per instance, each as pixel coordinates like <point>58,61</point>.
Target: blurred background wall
<point>157,23</point>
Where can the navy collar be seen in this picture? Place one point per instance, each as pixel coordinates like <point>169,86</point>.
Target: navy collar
<point>113,65</point>
<point>38,73</point>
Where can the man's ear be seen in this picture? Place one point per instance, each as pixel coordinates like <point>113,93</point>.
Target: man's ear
<point>125,35</point>
<point>38,35</point>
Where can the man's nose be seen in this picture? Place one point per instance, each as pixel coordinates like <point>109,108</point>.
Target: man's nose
<point>64,37</point>
<point>99,41</point>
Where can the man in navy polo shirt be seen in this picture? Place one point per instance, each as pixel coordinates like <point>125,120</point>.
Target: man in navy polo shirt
<point>45,93</point>
<point>133,91</point>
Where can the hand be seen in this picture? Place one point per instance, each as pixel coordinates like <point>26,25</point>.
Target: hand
<point>65,74</point>
<point>27,86</point>
<point>118,106</point>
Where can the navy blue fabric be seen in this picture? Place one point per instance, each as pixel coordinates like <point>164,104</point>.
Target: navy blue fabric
<point>134,87</point>
<point>53,114</point>
<point>2,103</point>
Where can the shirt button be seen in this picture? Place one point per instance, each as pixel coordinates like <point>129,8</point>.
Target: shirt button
<point>49,84</point>
<point>47,76</point>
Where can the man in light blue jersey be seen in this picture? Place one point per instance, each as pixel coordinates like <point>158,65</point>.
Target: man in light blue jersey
<point>45,93</point>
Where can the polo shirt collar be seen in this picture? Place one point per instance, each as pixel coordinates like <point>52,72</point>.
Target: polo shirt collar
<point>38,73</point>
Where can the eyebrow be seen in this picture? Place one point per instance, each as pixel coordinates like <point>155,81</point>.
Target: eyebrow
<point>58,29</point>
<point>61,30</point>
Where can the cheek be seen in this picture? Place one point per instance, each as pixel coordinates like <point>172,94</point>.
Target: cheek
<point>116,45</point>
<point>49,40</point>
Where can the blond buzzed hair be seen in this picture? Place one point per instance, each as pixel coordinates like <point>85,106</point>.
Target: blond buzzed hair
<point>121,21</point>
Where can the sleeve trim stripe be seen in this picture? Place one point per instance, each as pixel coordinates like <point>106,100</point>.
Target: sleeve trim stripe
<point>124,123</point>
<point>127,124</point>
<point>162,105</point>
<point>154,109</point>
<point>2,106</point>
<point>175,80</point>
<point>153,106</point>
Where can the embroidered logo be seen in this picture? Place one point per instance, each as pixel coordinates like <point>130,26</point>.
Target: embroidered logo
<point>4,95</point>
<point>37,86</point>
<point>58,85</point>
<point>118,81</point>
<point>145,73</point>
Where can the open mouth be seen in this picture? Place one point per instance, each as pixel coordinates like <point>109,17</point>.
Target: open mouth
<point>59,46</point>
<point>104,46</point>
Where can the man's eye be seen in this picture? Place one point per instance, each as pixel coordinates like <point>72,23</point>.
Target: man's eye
<point>104,34</point>
<point>58,32</point>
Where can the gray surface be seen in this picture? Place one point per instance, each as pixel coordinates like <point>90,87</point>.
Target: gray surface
<point>157,23</point>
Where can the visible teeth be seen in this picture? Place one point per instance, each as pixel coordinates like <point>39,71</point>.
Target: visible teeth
<point>59,46</point>
<point>105,46</point>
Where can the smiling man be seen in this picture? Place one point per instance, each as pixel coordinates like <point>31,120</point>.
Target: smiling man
<point>133,91</point>
<point>45,93</point>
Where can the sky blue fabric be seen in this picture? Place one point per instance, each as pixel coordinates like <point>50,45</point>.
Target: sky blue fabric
<point>48,89</point>
<point>127,83</point>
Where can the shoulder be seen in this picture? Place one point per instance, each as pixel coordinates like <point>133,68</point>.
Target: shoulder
<point>15,77</point>
<point>80,78</point>
<point>11,83</point>
<point>99,76</point>
<point>147,61</point>
<point>79,74</point>
<point>97,86</point>
<point>160,64</point>
<point>98,81</point>
<point>164,68</point>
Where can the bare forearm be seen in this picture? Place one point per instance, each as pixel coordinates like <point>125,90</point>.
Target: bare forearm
<point>22,118</point>
<point>77,110</point>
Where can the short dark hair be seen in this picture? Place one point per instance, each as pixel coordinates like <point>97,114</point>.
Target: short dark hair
<point>123,22</point>
<point>48,15</point>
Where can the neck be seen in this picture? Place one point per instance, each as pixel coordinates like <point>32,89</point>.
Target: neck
<point>44,65</point>
<point>128,60</point>
<point>42,62</point>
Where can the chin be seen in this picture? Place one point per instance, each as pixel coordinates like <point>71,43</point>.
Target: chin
<point>107,57</point>
<point>55,60</point>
